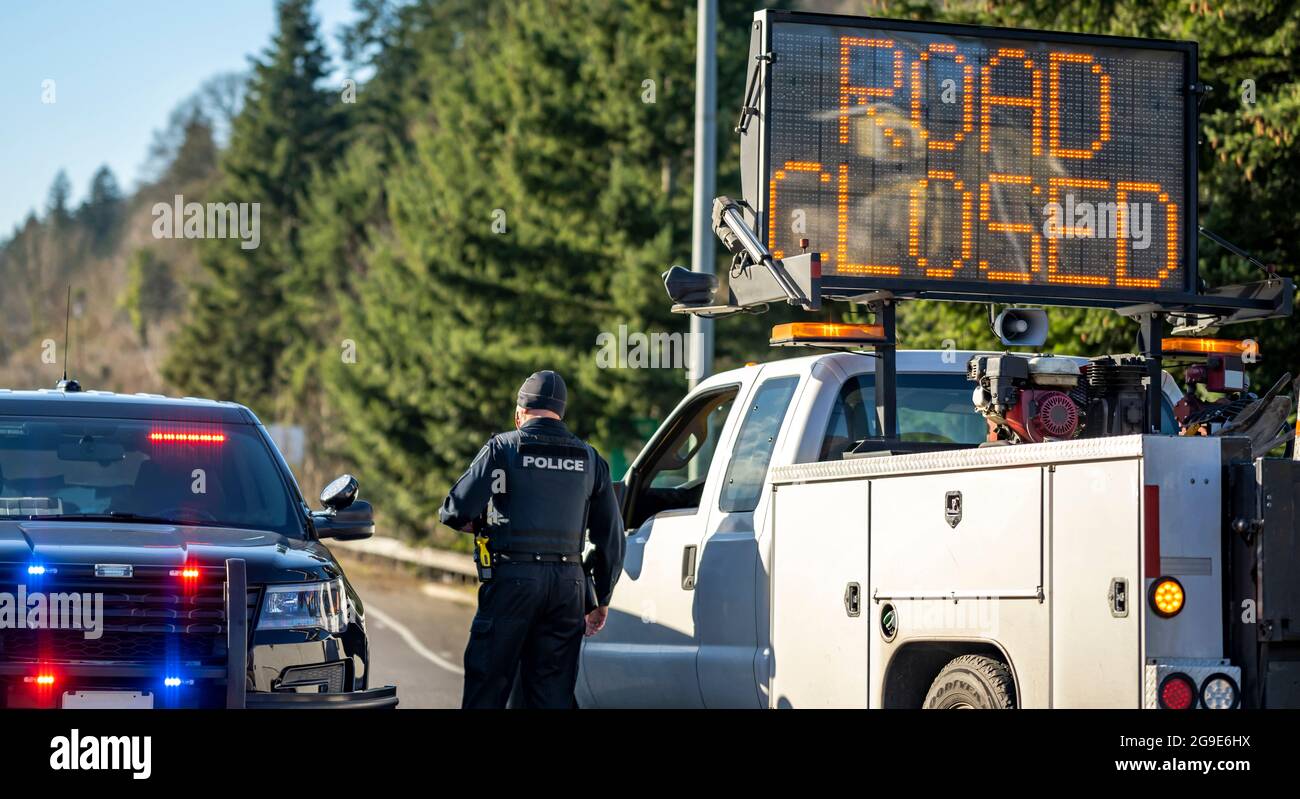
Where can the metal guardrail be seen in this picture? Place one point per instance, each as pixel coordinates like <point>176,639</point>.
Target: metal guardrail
<point>441,564</point>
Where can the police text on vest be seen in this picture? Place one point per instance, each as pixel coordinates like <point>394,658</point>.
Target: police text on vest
<point>564,464</point>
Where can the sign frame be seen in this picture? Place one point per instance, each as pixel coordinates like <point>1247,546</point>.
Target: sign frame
<point>756,166</point>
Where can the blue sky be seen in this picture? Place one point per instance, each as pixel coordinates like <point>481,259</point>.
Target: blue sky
<point>119,67</point>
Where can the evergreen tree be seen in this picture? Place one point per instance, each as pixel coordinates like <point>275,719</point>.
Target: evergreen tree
<point>101,213</point>
<point>240,330</point>
<point>60,196</point>
<point>534,214</point>
<point>150,293</point>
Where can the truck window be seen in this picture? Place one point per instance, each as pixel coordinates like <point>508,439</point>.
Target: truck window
<point>754,444</point>
<point>853,418</point>
<point>674,475</point>
<point>931,407</point>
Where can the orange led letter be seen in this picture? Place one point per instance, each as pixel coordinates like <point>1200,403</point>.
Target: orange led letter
<point>1122,278</point>
<point>1068,230</point>
<point>918,88</point>
<point>1034,101</point>
<point>850,92</point>
<point>777,177</point>
<point>1027,228</point>
<point>1054,106</point>
<point>842,264</point>
<point>916,209</point>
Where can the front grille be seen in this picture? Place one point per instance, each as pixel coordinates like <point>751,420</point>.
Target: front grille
<point>73,645</point>
<point>148,616</point>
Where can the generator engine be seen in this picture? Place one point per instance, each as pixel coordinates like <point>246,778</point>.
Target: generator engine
<point>1116,398</point>
<point>1026,399</point>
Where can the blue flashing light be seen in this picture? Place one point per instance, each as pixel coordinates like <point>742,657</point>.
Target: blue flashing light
<point>36,570</point>
<point>172,682</point>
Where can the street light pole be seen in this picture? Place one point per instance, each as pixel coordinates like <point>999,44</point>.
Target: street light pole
<point>706,147</point>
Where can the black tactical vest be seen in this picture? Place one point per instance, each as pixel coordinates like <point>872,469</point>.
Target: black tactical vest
<point>548,484</point>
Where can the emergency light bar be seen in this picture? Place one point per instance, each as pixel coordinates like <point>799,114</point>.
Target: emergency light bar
<point>1209,346</point>
<point>183,437</point>
<point>827,334</point>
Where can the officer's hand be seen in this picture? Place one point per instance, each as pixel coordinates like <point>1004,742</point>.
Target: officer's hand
<point>596,620</point>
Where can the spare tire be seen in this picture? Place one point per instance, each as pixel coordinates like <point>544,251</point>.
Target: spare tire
<point>972,682</point>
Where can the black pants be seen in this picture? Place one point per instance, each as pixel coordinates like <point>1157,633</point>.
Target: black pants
<point>530,622</point>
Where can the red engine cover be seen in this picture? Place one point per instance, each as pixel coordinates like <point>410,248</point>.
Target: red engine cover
<point>1043,415</point>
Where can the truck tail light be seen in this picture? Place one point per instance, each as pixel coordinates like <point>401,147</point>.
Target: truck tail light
<point>1219,692</point>
<point>1167,597</point>
<point>1177,692</point>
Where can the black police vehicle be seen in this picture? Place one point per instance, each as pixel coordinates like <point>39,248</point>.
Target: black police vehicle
<point>158,552</point>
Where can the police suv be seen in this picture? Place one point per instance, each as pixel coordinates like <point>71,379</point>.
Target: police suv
<point>158,552</point>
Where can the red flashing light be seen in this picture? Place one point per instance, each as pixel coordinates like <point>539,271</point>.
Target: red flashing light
<point>189,577</point>
<point>1177,692</point>
<point>182,437</point>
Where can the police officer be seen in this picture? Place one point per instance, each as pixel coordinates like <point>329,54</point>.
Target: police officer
<point>535,491</point>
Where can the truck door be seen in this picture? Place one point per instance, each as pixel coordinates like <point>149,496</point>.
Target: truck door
<point>646,654</point>
<point>730,570</point>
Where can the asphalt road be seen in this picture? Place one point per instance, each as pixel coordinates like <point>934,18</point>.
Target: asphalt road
<point>418,633</point>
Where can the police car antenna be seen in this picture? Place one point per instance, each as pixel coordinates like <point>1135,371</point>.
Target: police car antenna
<point>67,317</point>
<point>65,384</point>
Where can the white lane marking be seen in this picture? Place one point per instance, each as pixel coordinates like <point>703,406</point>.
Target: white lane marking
<point>413,642</point>
<point>449,594</point>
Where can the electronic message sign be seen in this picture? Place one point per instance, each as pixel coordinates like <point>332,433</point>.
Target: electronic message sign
<point>969,162</point>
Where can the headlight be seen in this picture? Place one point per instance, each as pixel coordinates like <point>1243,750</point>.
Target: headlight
<point>304,605</point>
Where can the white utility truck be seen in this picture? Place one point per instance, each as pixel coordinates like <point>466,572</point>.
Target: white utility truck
<point>957,529</point>
<point>764,569</point>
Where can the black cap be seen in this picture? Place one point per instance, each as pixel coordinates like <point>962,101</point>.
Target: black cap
<point>543,391</point>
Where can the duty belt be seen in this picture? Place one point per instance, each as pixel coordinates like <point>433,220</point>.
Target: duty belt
<point>538,557</point>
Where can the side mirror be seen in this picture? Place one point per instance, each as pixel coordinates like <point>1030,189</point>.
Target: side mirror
<point>340,493</point>
<point>354,522</point>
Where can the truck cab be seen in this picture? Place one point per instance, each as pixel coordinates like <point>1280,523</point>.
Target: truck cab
<point>691,618</point>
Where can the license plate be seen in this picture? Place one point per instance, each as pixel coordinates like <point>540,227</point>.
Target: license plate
<point>82,700</point>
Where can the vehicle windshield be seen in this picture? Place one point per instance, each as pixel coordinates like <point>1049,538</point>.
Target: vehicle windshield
<point>143,471</point>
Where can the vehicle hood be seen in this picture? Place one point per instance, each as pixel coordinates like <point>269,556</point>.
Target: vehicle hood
<point>270,557</point>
